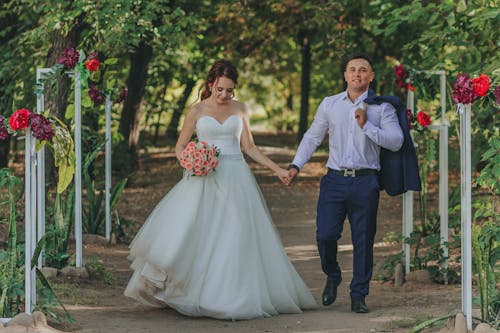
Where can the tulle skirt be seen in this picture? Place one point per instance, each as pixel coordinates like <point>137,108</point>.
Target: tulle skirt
<point>209,248</point>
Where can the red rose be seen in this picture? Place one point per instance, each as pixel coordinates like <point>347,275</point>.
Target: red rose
<point>410,87</point>
<point>92,64</point>
<point>423,119</point>
<point>481,84</point>
<point>20,119</point>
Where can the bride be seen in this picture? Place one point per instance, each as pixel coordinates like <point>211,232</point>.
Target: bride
<point>209,248</point>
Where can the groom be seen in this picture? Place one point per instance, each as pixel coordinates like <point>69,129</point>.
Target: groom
<point>351,186</point>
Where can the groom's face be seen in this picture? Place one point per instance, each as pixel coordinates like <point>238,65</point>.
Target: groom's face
<point>358,75</point>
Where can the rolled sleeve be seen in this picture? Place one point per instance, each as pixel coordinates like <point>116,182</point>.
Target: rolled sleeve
<point>313,136</point>
<point>389,135</point>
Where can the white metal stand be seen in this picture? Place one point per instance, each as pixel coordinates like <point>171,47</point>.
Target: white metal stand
<point>35,189</point>
<point>78,171</point>
<point>408,202</point>
<point>466,206</point>
<point>443,176</point>
<point>107,185</point>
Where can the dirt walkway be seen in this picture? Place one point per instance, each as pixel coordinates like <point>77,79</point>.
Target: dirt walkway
<point>98,307</point>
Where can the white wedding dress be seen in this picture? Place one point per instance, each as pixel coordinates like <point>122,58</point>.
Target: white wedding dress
<point>209,248</point>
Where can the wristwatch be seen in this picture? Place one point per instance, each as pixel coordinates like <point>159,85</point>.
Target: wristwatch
<point>293,166</point>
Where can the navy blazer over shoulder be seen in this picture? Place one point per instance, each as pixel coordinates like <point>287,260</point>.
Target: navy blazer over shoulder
<point>398,170</point>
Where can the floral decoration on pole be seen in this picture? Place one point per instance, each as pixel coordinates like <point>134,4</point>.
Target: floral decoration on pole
<point>85,65</point>
<point>47,130</point>
<point>467,90</point>
<point>403,78</point>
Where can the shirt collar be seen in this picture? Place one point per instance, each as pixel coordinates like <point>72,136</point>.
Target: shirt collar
<point>358,100</point>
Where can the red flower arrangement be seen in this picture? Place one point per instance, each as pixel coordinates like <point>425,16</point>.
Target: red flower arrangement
<point>20,120</point>
<point>403,79</point>
<point>199,158</point>
<point>467,90</point>
<point>423,119</point>
<point>41,127</point>
<point>481,85</point>
<point>418,122</point>
<point>92,64</point>
<point>69,58</point>
<point>96,95</point>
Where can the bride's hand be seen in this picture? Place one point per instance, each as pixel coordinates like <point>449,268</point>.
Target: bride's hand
<point>283,176</point>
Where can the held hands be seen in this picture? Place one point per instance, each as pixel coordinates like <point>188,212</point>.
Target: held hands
<point>360,115</point>
<point>287,176</point>
<point>283,176</point>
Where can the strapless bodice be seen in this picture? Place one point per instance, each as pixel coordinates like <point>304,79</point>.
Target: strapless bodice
<point>225,136</point>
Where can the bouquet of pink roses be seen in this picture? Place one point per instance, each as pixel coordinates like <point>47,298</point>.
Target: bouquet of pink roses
<point>199,158</point>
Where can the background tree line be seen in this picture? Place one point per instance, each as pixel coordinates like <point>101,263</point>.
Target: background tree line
<point>290,55</point>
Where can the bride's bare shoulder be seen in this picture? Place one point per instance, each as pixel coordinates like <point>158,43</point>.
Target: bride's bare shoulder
<point>196,110</point>
<point>240,107</point>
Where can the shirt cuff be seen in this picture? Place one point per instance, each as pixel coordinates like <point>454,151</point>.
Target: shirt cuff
<point>368,126</point>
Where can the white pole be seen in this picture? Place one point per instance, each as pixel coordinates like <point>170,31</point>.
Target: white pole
<point>27,224</point>
<point>108,167</point>
<point>78,171</point>
<point>40,106</point>
<point>408,202</point>
<point>34,210</point>
<point>466,216</point>
<point>443,173</point>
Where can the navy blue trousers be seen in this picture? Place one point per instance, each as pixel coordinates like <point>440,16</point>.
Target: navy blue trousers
<point>357,198</point>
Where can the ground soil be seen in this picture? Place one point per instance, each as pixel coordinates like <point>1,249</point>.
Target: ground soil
<point>97,306</point>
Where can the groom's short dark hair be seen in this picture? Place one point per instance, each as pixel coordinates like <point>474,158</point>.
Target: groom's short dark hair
<point>358,56</point>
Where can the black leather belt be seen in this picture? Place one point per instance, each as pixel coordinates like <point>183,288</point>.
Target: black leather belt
<point>353,172</point>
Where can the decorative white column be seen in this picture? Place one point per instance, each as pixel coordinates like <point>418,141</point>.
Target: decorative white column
<point>40,188</point>
<point>108,167</point>
<point>466,207</point>
<point>443,172</point>
<point>29,209</point>
<point>408,201</point>
<point>78,171</point>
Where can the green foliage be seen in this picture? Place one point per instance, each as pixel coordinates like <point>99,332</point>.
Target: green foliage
<point>58,233</point>
<point>97,271</point>
<point>11,268</point>
<point>490,174</point>
<point>386,272</point>
<point>12,265</point>
<point>94,212</point>
<point>486,259</point>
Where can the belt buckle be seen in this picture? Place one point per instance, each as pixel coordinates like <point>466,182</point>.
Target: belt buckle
<point>349,172</point>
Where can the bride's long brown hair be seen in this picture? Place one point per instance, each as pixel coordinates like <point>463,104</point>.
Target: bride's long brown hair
<point>219,68</point>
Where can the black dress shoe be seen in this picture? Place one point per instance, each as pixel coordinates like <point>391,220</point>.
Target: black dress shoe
<point>330,292</point>
<point>358,304</point>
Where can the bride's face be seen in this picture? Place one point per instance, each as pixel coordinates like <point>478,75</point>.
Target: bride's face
<point>223,90</point>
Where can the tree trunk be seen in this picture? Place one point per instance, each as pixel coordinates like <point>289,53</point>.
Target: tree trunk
<point>176,116</point>
<point>58,102</point>
<point>129,121</point>
<point>305,83</point>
